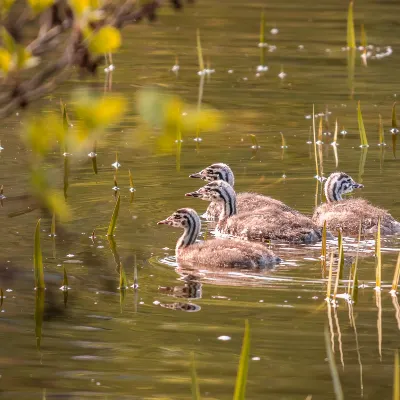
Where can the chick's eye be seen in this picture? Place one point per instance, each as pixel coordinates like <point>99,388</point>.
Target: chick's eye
<point>177,217</point>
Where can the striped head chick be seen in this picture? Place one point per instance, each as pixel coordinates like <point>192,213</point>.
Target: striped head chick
<point>214,172</point>
<point>219,192</point>
<point>338,184</point>
<point>188,220</point>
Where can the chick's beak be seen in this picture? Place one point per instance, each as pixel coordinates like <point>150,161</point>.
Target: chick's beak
<point>196,175</point>
<point>193,194</point>
<point>357,185</point>
<point>163,222</point>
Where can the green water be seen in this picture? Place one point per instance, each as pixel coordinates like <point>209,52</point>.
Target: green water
<point>97,348</point>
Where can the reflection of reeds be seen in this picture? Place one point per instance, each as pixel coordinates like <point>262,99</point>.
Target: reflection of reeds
<point>378,257</point>
<point>339,337</point>
<point>353,324</point>
<point>195,382</point>
<point>332,366</point>
<point>381,132</point>
<point>396,377</point>
<point>241,378</point>
<point>39,311</point>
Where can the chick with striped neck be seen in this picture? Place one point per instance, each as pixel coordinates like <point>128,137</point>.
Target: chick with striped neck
<point>262,224</point>
<point>215,253</point>
<point>246,201</point>
<point>347,213</point>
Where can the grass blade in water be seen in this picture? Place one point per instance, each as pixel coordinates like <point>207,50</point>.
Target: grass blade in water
<point>262,44</point>
<point>394,129</point>
<point>65,280</point>
<point>199,52</point>
<point>323,249</point>
<point>396,277</point>
<point>1,297</point>
<point>341,254</point>
<point>37,259</point>
<point>66,176</point>
<point>378,256</point>
<point>332,366</point>
<point>381,132</point>
<point>351,37</point>
<point>363,134</point>
<point>114,217</point>
<point>396,377</point>
<point>195,383</point>
<point>315,143</point>
<point>53,225</point>
<point>39,311</point>
<point>241,378</point>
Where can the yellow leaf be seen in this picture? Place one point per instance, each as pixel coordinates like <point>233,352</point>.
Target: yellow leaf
<point>5,61</point>
<point>99,112</point>
<point>106,40</point>
<point>39,6</point>
<point>80,7</point>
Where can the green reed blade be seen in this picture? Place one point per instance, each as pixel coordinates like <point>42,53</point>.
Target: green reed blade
<point>65,123</point>
<point>241,378</point>
<point>262,39</point>
<point>335,137</point>
<point>378,256</point>
<point>37,259</point>
<point>329,284</point>
<point>396,275</point>
<point>363,37</point>
<point>353,271</point>
<point>39,311</point>
<point>394,118</point>
<point>1,297</point>
<point>53,224</point>
<point>283,145</point>
<point>351,37</point>
<point>323,248</point>
<point>65,279</point>
<point>354,290</point>
<point>381,131</point>
<point>66,177</point>
<point>341,254</point>
<point>315,142</point>
<point>130,179</point>
<point>123,281</point>
<point>363,134</point>
<point>114,217</point>
<point>332,366</point>
<point>254,140</point>
<point>195,383</point>
<point>199,51</point>
<point>396,377</point>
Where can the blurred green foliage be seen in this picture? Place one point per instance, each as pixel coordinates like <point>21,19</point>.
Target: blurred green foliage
<point>169,113</point>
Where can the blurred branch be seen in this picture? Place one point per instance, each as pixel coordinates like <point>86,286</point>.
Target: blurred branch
<point>58,28</point>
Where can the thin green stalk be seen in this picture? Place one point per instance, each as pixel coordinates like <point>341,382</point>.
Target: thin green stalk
<point>199,51</point>
<point>363,134</point>
<point>394,129</point>
<point>1,297</point>
<point>315,143</point>
<point>65,279</point>
<point>38,260</point>
<point>329,284</point>
<point>114,217</point>
<point>262,43</point>
<point>241,378</point>
<point>341,254</point>
<point>323,248</point>
<point>381,132</point>
<point>53,224</point>
<point>396,275</point>
<point>351,37</point>
<point>123,282</point>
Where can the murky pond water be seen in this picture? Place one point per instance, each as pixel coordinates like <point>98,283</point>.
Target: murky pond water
<point>100,347</point>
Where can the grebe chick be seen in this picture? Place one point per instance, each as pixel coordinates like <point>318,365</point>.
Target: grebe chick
<point>245,201</point>
<point>215,253</point>
<point>261,224</point>
<point>347,213</point>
